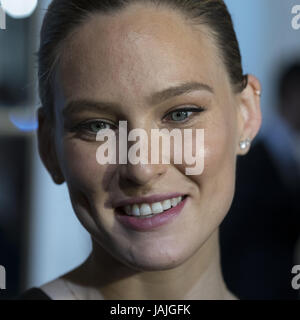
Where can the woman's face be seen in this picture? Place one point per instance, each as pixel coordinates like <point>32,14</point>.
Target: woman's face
<point>123,59</point>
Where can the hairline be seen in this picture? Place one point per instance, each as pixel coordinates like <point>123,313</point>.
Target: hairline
<point>193,22</point>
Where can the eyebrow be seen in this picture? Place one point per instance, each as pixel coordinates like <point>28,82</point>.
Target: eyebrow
<point>77,106</point>
<point>184,88</point>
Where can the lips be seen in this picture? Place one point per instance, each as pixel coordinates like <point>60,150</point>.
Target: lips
<point>142,216</point>
<point>147,199</point>
<point>147,209</point>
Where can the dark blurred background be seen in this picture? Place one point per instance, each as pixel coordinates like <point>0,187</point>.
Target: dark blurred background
<point>260,235</point>
<point>40,237</point>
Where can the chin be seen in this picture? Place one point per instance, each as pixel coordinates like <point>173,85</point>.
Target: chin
<point>148,260</point>
<point>159,265</point>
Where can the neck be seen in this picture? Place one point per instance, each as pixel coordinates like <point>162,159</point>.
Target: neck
<point>200,277</point>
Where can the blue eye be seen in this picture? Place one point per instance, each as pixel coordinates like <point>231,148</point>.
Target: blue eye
<point>96,125</point>
<point>182,114</point>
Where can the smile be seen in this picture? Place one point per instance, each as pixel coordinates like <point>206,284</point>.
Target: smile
<point>147,210</point>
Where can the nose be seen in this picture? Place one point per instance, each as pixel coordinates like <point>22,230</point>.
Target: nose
<point>142,175</point>
<point>142,172</point>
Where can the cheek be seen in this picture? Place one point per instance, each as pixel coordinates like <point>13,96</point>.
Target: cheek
<point>215,153</point>
<point>84,177</point>
<point>217,181</point>
<point>80,166</point>
<point>220,150</point>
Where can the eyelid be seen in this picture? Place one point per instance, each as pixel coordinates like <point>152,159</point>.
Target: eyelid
<point>186,109</point>
<point>98,120</point>
<point>84,124</point>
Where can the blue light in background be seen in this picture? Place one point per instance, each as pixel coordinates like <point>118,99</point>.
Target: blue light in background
<point>25,123</point>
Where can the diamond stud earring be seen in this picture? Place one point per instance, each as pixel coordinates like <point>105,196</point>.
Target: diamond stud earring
<point>258,93</point>
<point>244,144</point>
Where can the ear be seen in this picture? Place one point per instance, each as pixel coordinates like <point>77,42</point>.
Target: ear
<point>249,113</point>
<point>46,146</point>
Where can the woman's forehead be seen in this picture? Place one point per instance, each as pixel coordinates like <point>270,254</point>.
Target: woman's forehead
<point>128,49</point>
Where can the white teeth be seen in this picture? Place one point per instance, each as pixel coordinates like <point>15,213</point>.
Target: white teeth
<point>166,204</point>
<point>174,202</point>
<point>147,209</point>
<point>135,210</point>
<point>157,207</point>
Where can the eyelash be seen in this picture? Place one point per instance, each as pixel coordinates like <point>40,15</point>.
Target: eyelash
<point>187,109</point>
<point>85,125</point>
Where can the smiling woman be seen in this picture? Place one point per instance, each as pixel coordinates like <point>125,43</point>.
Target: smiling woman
<point>156,64</point>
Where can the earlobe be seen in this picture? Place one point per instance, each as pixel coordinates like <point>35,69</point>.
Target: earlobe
<point>46,147</point>
<point>249,114</point>
<point>58,178</point>
<point>245,144</point>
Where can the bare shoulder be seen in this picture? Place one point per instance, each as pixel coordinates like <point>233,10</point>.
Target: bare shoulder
<point>64,287</point>
<point>71,286</point>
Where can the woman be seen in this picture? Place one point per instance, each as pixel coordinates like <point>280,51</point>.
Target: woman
<point>156,65</point>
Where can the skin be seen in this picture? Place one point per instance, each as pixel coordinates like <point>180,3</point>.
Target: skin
<point>138,54</point>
